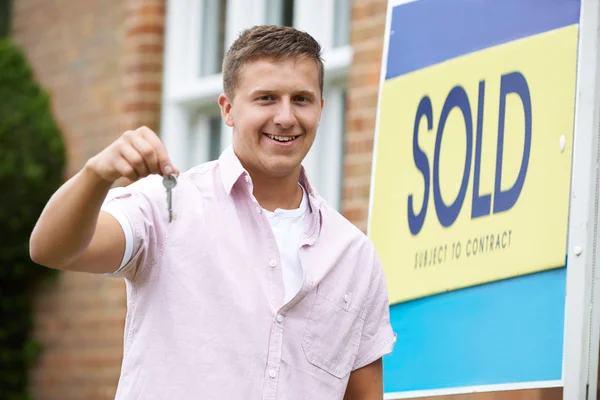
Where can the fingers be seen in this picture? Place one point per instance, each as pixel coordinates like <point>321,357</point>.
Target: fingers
<point>124,168</point>
<point>136,154</point>
<point>134,159</point>
<point>145,153</point>
<point>164,162</point>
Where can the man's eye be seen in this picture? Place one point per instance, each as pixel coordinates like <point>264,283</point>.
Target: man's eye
<point>265,98</point>
<point>303,99</point>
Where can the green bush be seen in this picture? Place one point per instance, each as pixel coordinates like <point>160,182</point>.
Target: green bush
<point>32,160</point>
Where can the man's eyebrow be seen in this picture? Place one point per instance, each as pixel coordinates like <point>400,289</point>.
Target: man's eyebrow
<point>263,91</point>
<point>306,93</point>
<point>260,90</point>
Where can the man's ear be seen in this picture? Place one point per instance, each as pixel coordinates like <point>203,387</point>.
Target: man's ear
<point>225,106</point>
<point>321,111</point>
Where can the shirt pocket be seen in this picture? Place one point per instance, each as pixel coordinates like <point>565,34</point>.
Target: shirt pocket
<point>333,331</point>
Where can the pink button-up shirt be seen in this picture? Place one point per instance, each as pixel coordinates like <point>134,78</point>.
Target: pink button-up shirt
<point>206,317</point>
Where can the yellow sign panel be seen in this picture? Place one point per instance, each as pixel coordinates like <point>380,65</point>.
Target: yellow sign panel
<point>473,166</point>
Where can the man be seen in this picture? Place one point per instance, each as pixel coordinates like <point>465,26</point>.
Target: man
<point>256,289</point>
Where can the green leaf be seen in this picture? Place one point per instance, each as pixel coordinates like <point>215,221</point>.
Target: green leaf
<point>32,161</point>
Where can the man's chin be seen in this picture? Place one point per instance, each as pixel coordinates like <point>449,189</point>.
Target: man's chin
<point>281,168</point>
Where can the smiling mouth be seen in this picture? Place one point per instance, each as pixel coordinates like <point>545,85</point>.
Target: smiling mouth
<point>282,139</point>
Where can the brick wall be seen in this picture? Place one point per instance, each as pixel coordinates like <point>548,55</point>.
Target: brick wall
<point>367,31</point>
<point>101,61</point>
<point>367,28</point>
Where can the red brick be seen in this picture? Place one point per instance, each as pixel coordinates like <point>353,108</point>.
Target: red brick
<point>143,67</point>
<point>101,61</point>
<point>153,29</point>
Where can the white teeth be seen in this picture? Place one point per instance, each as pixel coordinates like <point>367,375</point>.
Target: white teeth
<point>282,138</point>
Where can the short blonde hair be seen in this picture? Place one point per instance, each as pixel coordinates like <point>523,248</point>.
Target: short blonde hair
<point>269,42</point>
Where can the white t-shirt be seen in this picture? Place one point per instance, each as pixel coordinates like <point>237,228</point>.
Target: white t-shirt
<point>287,226</point>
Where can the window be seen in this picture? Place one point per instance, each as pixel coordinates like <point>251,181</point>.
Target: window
<point>341,32</point>
<point>279,12</point>
<point>204,141</point>
<point>198,32</point>
<point>212,39</point>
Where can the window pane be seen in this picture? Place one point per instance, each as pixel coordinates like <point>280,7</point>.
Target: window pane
<point>214,138</point>
<point>280,12</point>
<point>341,24</point>
<point>204,143</point>
<point>212,43</point>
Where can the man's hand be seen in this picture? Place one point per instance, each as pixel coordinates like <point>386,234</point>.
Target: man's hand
<point>135,155</point>
<point>366,383</point>
<point>72,233</point>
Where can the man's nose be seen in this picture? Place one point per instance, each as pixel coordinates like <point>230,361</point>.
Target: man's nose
<point>284,116</point>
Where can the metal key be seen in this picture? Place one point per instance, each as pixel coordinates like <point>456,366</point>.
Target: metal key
<point>169,182</point>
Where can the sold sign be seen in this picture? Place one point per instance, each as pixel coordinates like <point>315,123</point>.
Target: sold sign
<point>513,82</point>
<point>472,165</point>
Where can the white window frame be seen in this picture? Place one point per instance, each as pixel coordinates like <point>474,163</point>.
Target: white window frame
<point>185,92</point>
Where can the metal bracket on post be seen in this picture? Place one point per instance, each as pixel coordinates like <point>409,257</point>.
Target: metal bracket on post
<point>582,318</point>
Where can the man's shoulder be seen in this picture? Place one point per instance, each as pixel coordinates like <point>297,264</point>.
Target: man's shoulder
<point>202,169</point>
<point>151,187</point>
<point>153,183</point>
<point>202,176</point>
<point>354,254</point>
<point>337,227</point>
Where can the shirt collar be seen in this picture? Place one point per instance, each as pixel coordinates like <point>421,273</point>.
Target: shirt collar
<point>232,169</point>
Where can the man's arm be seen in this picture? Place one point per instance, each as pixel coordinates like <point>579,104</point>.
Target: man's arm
<point>366,383</point>
<point>377,339</point>
<point>72,233</point>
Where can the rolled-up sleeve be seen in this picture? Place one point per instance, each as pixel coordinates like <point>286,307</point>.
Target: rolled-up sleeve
<point>135,206</point>
<point>378,338</point>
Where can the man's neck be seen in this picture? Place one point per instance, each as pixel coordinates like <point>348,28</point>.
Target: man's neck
<point>272,193</point>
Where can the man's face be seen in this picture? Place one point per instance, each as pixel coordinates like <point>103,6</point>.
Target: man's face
<point>274,114</point>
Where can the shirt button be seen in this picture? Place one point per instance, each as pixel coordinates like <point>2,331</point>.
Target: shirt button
<point>258,210</point>
<point>346,298</point>
<point>247,178</point>
<point>272,373</point>
<point>280,318</point>
<point>273,263</point>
